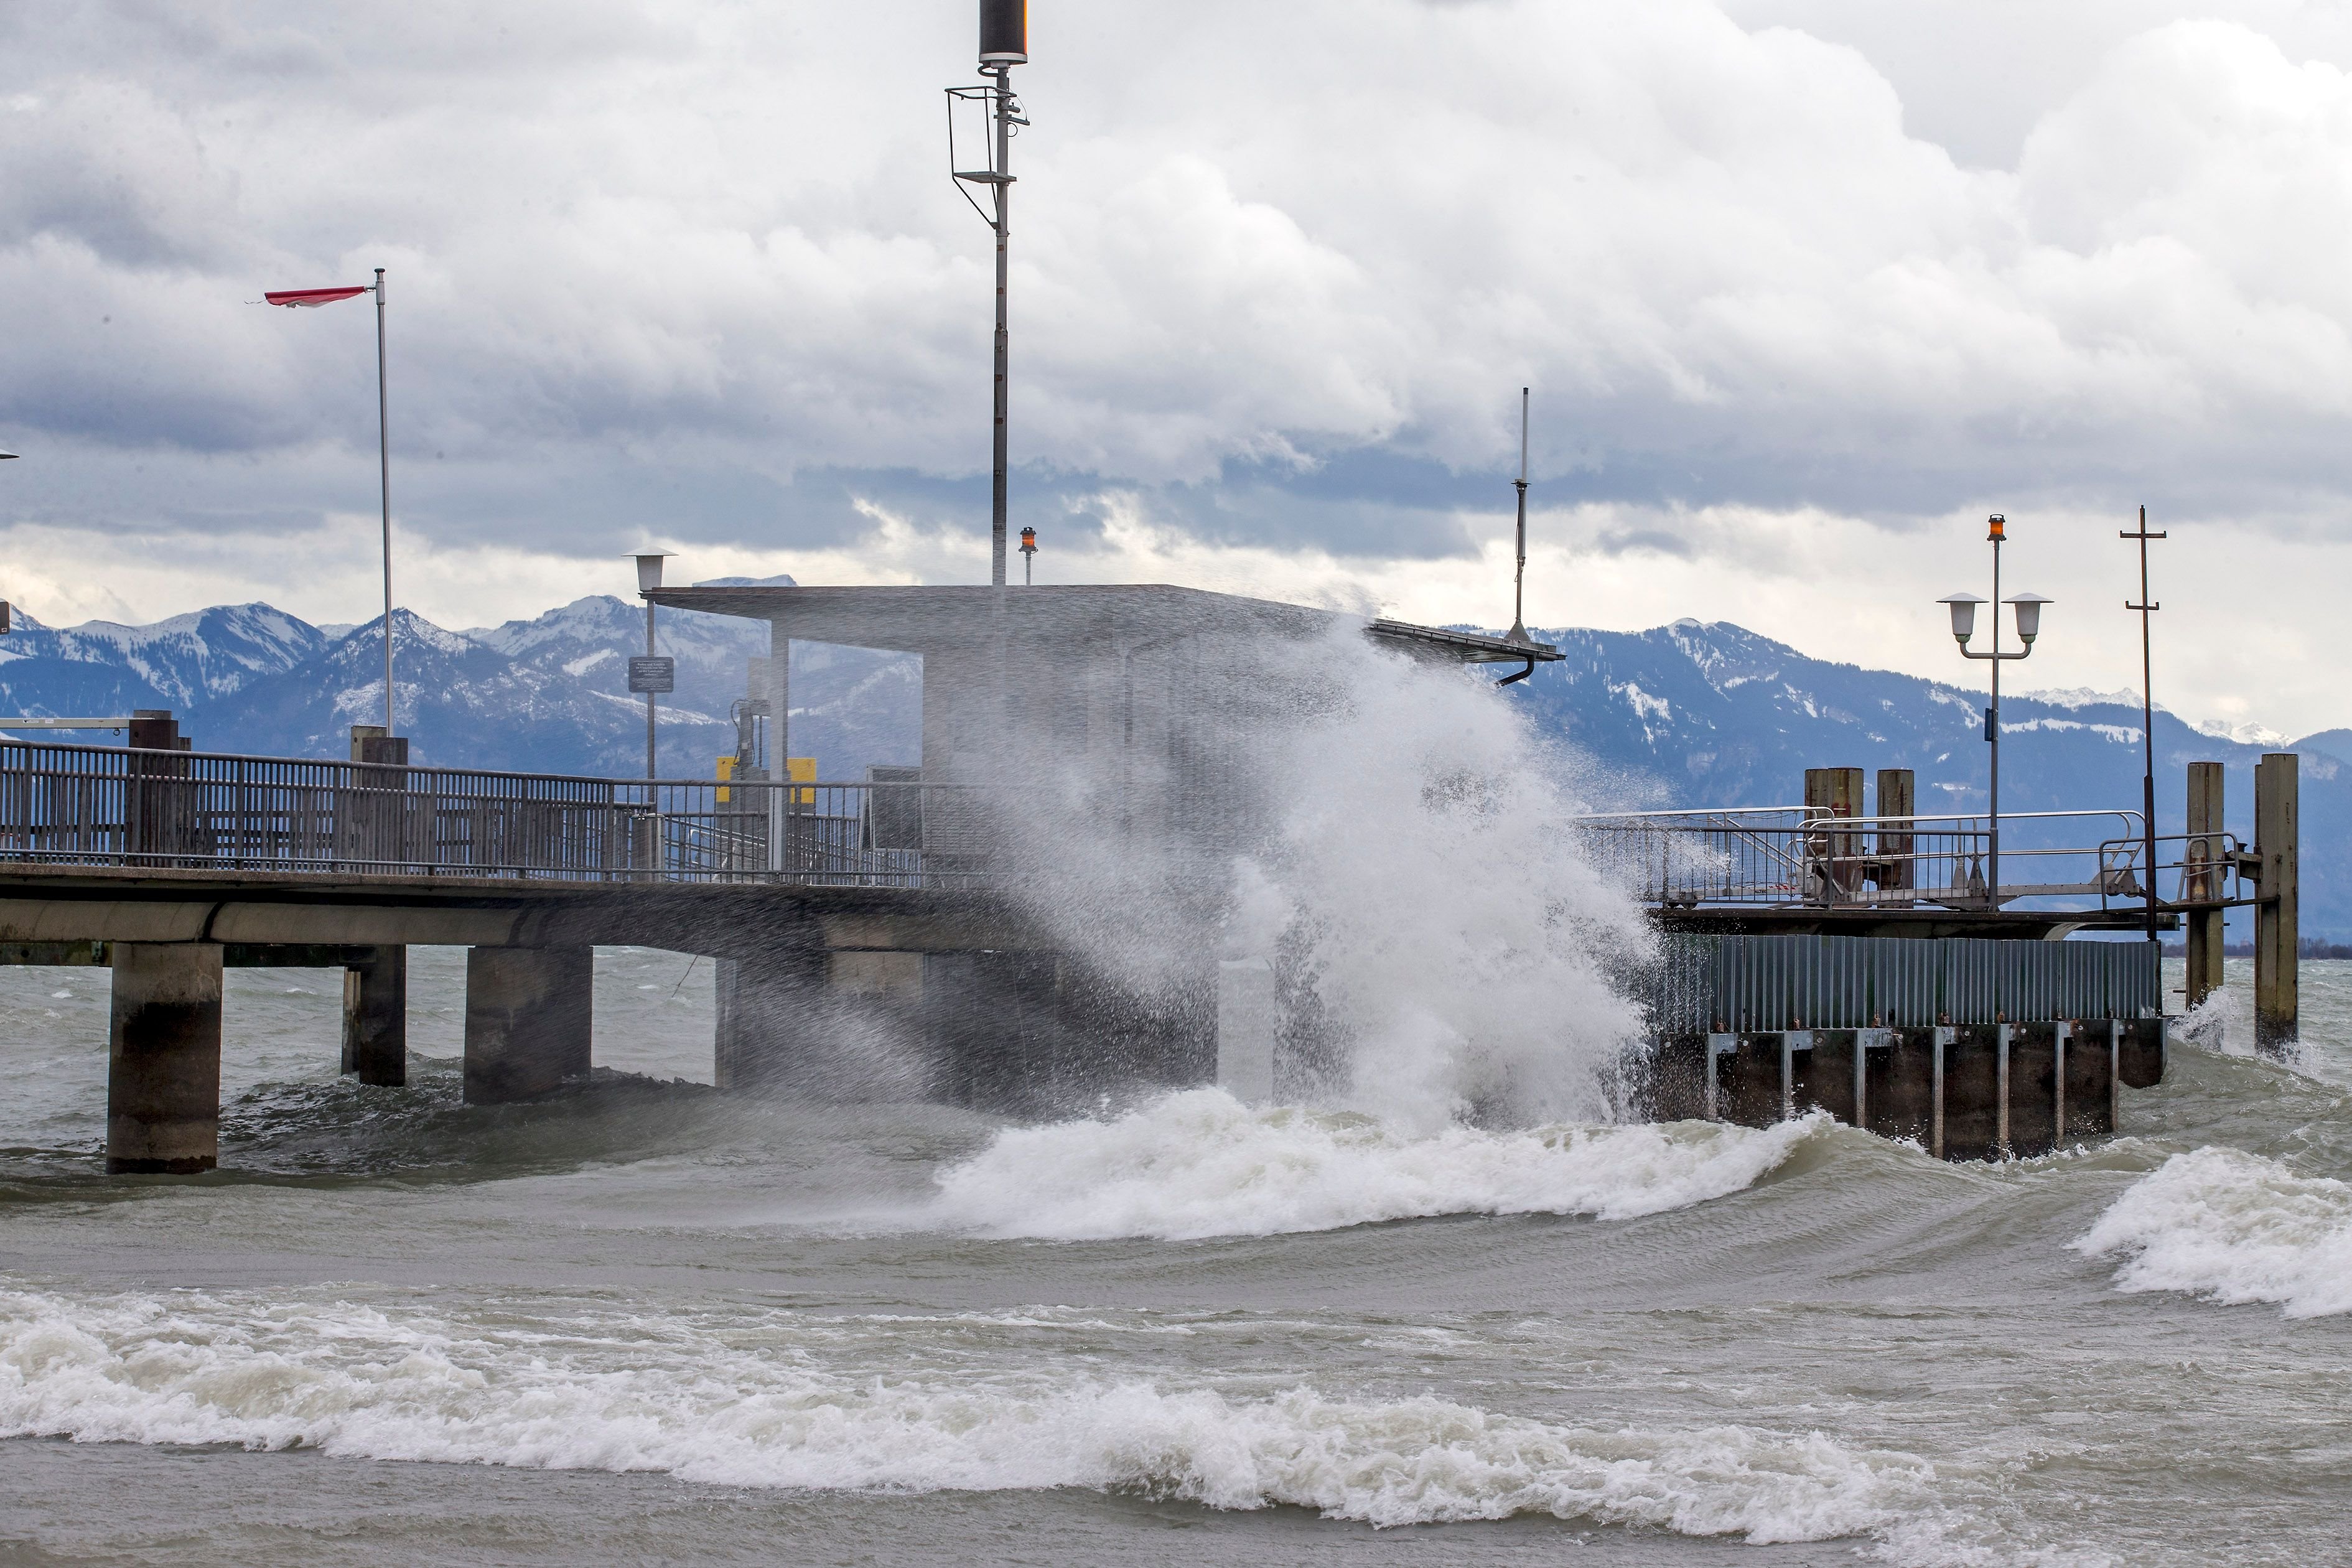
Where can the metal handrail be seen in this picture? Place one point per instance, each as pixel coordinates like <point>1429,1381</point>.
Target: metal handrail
<point>1813,856</point>
<point>120,806</point>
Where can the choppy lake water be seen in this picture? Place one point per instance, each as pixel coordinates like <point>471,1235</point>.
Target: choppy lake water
<point>645,1322</point>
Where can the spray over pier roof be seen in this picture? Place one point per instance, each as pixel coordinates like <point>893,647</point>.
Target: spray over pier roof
<point>947,618</point>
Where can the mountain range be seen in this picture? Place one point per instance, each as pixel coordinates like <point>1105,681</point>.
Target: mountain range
<point>1685,715</point>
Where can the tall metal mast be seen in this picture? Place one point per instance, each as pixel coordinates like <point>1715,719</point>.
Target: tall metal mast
<point>1520,581</point>
<point>383,460</point>
<point>1004,44</point>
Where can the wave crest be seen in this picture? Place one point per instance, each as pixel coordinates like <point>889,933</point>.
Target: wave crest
<point>1200,1164</point>
<point>2235,1228</point>
<point>663,1395</point>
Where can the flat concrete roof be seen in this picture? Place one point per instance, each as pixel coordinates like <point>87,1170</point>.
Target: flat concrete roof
<point>926,619</point>
<point>947,618</point>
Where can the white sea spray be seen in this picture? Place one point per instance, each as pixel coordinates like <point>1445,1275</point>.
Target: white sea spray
<point>2233,1227</point>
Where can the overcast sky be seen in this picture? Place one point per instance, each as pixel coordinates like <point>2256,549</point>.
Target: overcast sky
<point>1803,287</point>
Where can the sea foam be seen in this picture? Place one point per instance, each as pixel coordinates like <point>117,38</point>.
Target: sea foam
<point>2234,1227</point>
<point>1200,1164</point>
<point>619,1392</point>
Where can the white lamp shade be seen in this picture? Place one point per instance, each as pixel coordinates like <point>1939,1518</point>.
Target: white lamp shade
<point>1964,614</point>
<point>649,571</point>
<point>2029,614</point>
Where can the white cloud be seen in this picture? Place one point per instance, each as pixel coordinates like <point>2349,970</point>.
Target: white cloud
<point>648,262</point>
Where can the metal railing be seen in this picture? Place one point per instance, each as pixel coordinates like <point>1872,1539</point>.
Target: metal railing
<point>1804,856</point>
<point>103,805</point>
<point>88,806</point>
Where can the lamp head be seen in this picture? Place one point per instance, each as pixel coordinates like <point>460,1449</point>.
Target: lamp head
<point>1028,541</point>
<point>649,570</point>
<point>1997,528</point>
<point>2029,614</point>
<point>1964,615</point>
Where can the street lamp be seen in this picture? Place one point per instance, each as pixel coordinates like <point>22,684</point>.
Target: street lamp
<point>1964,625</point>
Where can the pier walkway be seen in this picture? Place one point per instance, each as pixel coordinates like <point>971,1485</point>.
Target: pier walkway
<point>901,899</point>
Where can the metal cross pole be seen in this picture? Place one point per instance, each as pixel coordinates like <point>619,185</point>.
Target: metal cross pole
<point>384,459</point>
<point>2147,606</point>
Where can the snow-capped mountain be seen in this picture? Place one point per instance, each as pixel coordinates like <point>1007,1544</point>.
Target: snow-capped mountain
<point>100,669</point>
<point>1685,715</point>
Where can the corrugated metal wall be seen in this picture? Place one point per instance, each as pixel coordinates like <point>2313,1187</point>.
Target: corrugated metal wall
<point>1856,981</point>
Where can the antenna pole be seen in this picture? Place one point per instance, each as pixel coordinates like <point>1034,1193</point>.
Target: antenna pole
<point>2148,711</point>
<point>383,456</point>
<point>1520,581</point>
<point>1002,101</point>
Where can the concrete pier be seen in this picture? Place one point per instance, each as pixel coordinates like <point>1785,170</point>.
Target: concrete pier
<point>375,1017</point>
<point>164,1045</point>
<point>529,1013</point>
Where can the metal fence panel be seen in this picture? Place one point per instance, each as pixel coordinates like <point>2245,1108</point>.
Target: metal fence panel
<point>1760,983</point>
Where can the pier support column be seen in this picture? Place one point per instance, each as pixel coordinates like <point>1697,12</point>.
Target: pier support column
<point>2277,919</point>
<point>162,1085</point>
<point>2203,928</point>
<point>1246,1012</point>
<point>375,1017</point>
<point>529,1012</point>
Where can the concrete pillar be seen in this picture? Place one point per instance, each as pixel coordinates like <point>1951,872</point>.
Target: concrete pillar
<point>2202,879</point>
<point>1944,1037</point>
<point>2140,1053</point>
<point>529,1015</point>
<point>375,1017</point>
<point>2002,1144</point>
<point>1246,1015</point>
<point>2277,919</point>
<point>162,1083</point>
<point>1796,1067</point>
<point>1719,1046</point>
<point>1898,798</point>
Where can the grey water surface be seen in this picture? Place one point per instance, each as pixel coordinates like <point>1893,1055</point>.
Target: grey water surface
<point>646,1322</point>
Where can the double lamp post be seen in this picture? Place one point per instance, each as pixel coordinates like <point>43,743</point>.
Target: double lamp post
<point>1964,625</point>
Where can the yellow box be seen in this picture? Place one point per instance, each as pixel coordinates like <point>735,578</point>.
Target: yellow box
<point>799,770</point>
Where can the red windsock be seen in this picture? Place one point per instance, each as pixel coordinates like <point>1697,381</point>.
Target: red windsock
<point>305,299</point>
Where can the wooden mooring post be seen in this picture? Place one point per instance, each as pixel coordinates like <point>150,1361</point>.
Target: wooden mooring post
<point>2204,874</point>
<point>2276,917</point>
